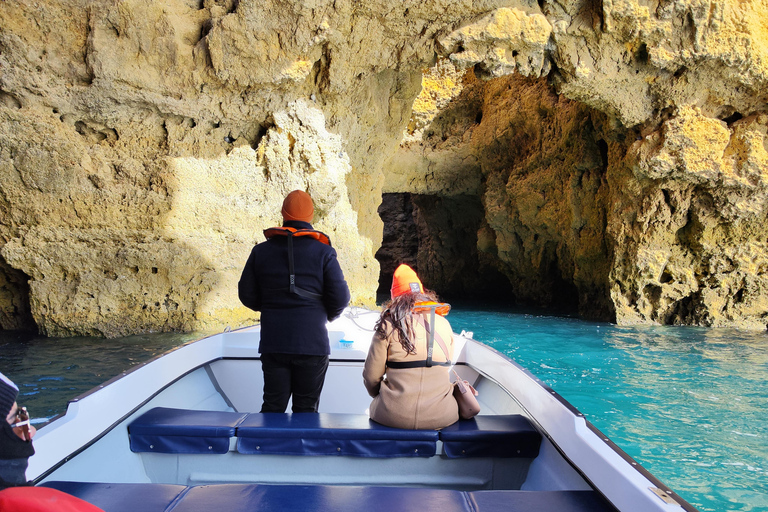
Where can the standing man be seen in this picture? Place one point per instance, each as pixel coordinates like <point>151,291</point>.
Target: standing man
<point>296,282</point>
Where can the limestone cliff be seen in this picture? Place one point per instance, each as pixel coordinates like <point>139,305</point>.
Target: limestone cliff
<point>612,153</point>
<point>632,180</point>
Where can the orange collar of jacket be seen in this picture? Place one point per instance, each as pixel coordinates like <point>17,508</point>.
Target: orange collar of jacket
<point>286,231</point>
<point>441,308</point>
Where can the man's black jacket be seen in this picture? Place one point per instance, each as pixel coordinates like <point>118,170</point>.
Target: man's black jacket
<point>291,324</point>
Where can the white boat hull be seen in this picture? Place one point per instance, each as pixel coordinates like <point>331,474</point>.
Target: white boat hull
<point>222,373</point>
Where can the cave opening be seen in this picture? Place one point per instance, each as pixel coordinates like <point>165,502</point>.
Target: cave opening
<point>498,194</point>
<point>438,237</point>
<point>15,309</point>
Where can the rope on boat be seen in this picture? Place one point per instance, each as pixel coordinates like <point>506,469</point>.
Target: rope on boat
<point>353,314</point>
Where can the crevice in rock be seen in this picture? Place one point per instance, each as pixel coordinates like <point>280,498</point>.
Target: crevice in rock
<point>564,295</point>
<point>653,293</point>
<point>205,28</point>
<point>258,134</point>
<point>9,100</point>
<point>729,120</point>
<point>15,309</point>
<point>90,75</point>
<point>603,147</point>
<point>196,4</point>
<point>690,234</point>
<point>95,133</point>
<point>642,56</point>
<point>320,74</point>
<point>683,312</point>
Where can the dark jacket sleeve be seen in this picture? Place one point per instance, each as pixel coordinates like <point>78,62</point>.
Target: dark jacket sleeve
<point>248,288</point>
<point>335,290</point>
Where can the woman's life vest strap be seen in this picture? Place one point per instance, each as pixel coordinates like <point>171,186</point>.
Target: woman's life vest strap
<point>414,364</point>
<point>289,233</point>
<point>433,336</point>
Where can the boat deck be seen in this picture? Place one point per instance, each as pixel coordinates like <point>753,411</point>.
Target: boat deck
<point>181,433</point>
<point>288,498</point>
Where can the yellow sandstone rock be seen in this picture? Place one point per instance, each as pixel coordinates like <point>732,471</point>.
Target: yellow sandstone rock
<point>617,151</point>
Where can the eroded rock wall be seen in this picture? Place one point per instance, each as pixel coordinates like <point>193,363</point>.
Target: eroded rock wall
<point>144,146</point>
<point>617,149</point>
<point>540,164</point>
<point>690,224</point>
<point>135,179</point>
<point>633,178</point>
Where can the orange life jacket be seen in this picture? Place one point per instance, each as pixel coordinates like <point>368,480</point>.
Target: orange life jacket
<point>289,233</point>
<point>441,308</point>
<point>42,499</point>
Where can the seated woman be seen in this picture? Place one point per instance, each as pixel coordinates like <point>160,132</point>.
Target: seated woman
<point>407,393</point>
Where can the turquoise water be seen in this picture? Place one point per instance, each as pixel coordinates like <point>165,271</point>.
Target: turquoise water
<point>690,404</point>
<point>50,371</point>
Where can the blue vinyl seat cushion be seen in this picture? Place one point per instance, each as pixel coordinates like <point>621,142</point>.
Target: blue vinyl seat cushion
<point>167,430</point>
<point>330,434</point>
<point>526,501</point>
<point>509,435</point>
<point>318,498</point>
<point>146,497</point>
<point>123,497</point>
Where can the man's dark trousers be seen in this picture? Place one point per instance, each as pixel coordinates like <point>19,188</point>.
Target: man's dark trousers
<point>302,375</point>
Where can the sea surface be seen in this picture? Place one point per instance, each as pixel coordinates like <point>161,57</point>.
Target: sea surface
<point>690,404</point>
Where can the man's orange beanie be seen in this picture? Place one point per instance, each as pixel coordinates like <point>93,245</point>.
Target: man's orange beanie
<point>298,206</point>
<point>405,280</point>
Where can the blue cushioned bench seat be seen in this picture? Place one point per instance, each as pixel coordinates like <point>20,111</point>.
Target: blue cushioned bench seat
<point>330,434</point>
<point>529,501</point>
<point>295,498</point>
<point>166,430</point>
<point>124,497</point>
<point>510,435</point>
<point>320,498</point>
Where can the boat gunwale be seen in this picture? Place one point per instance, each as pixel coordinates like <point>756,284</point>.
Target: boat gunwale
<point>136,367</point>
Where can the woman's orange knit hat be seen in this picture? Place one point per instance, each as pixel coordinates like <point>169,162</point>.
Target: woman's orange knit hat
<point>298,206</point>
<point>405,280</point>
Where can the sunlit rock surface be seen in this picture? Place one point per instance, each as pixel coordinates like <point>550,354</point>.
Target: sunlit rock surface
<point>610,155</point>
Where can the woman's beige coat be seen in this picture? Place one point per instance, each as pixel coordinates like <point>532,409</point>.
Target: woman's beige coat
<point>414,398</point>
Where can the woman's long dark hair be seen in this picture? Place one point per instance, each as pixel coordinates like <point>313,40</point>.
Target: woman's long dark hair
<point>399,313</point>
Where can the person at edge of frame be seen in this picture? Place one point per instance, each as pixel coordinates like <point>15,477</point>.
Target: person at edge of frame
<point>16,494</point>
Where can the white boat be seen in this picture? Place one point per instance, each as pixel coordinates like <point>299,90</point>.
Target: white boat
<point>182,433</point>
